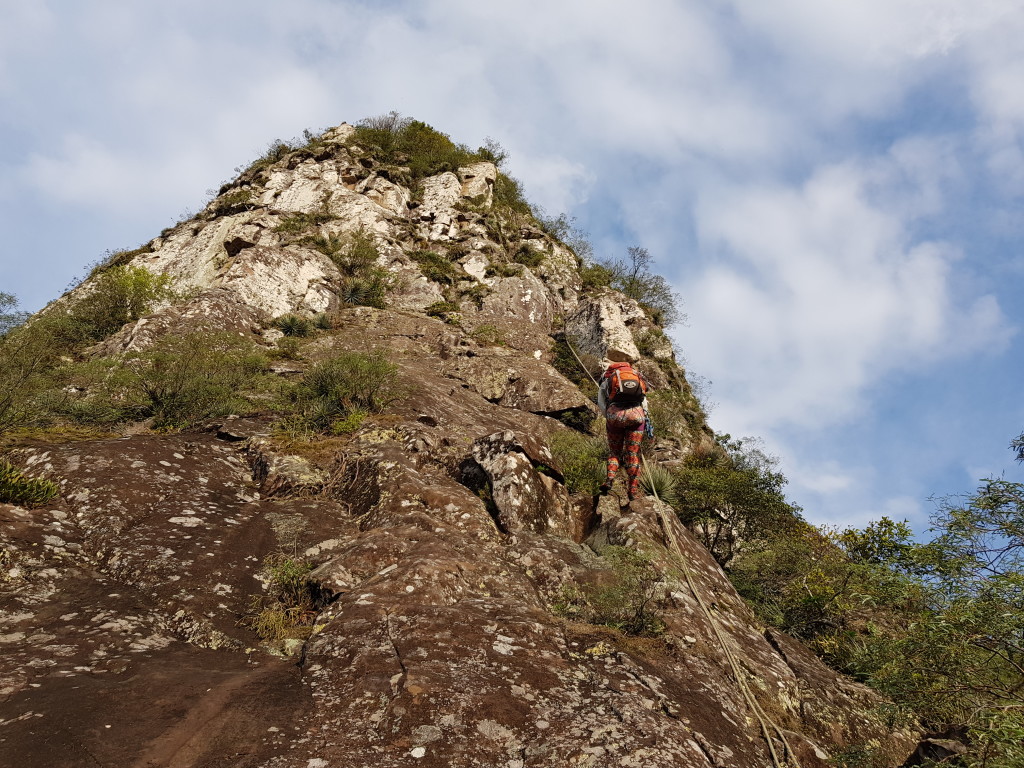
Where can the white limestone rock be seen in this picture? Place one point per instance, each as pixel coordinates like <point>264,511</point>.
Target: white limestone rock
<point>437,212</point>
<point>278,281</point>
<point>602,326</point>
<point>478,182</point>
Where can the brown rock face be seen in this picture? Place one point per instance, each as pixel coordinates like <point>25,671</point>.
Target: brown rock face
<point>444,543</point>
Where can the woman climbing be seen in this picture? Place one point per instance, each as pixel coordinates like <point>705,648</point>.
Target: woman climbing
<point>622,398</point>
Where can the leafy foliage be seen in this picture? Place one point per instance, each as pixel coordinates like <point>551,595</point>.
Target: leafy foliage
<point>299,223</point>
<point>10,318</point>
<point>509,195</point>
<point>16,488</point>
<point>633,277</point>
<point>399,140</point>
<point>292,604</point>
<point>28,356</point>
<point>438,267</point>
<point>582,460</point>
<point>937,626</point>
<point>363,281</point>
<point>733,497</point>
<point>115,297</point>
<point>627,602</point>
<point>527,256</point>
<point>349,383</point>
<point>183,380</point>
<point>671,412</point>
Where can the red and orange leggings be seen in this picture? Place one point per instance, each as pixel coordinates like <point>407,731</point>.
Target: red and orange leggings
<point>625,434</point>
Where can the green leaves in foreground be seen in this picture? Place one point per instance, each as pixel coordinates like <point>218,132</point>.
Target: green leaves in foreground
<point>936,626</point>
<point>16,488</point>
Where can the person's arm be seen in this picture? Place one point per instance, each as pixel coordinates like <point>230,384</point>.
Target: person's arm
<point>602,398</point>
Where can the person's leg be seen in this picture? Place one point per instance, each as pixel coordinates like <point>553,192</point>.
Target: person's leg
<point>631,458</point>
<point>615,440</point>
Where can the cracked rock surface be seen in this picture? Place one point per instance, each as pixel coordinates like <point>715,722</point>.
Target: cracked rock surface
<point>441,533</point>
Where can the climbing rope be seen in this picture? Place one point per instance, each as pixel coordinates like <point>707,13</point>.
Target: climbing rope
<point>677,551</point>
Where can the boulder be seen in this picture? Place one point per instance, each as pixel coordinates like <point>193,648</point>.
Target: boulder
<point>602,326</point>
<point>526,498</point>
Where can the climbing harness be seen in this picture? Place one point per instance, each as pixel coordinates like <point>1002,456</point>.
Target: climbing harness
<point>789,757</point>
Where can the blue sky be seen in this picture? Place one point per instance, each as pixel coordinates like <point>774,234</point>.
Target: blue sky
<point>834,188</point>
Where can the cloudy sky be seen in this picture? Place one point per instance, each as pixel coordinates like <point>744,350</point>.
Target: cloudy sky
<point>834,188</point>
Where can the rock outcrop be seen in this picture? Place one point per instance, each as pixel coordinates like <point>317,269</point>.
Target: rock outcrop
<point>443,539</point>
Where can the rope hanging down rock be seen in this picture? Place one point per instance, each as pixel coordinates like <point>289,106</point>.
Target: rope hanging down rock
<point>789,759</point>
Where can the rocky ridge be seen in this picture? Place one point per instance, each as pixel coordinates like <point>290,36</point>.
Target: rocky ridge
<point>443,534</point>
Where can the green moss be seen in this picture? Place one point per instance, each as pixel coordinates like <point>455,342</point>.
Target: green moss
<point>437,267</point>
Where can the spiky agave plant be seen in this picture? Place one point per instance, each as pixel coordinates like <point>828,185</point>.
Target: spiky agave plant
<point>355,291</point>
<point>16,488</point>
<point>294,325</point>
<point>655,480</point>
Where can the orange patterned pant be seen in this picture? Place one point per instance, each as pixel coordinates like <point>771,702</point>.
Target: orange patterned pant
<point>625,434</point>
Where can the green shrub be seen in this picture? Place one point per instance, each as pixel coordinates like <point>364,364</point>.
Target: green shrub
<point>499,269</point>
<point>352,254</point>
<point>294,325</point>
<point>355,255</point>
<point>16,488</point>
<point>287,348</point>
<point>113,298</point>
<point>565,362</point>
<point>347,384</point>
<point>300,223</point>
<point>349,423</point>
<point>10,318</point>
<point>582,460</point>
<point>527,256</point>
<point>670,411</point>
<point>508,195</point>
<point>627,603</point>
<point>233,201</point>
<point>650,341</point>
<point>275,152</point>
<point>368,291</point>
<point>322,322</point>
<point>732,497</point>
<point>291,605</point>
<point>183,380</point>
<point>437,267</point>
<point>29,356</point>
<point>119,258</point>
<point>596,276</point>
<point>476,293</point>
<point>394,139</point>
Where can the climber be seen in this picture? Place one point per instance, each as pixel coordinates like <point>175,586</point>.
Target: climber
<point>622,398</point>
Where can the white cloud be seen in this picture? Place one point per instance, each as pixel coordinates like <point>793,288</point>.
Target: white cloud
<point>813,293</point>
<point>670,124</point>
